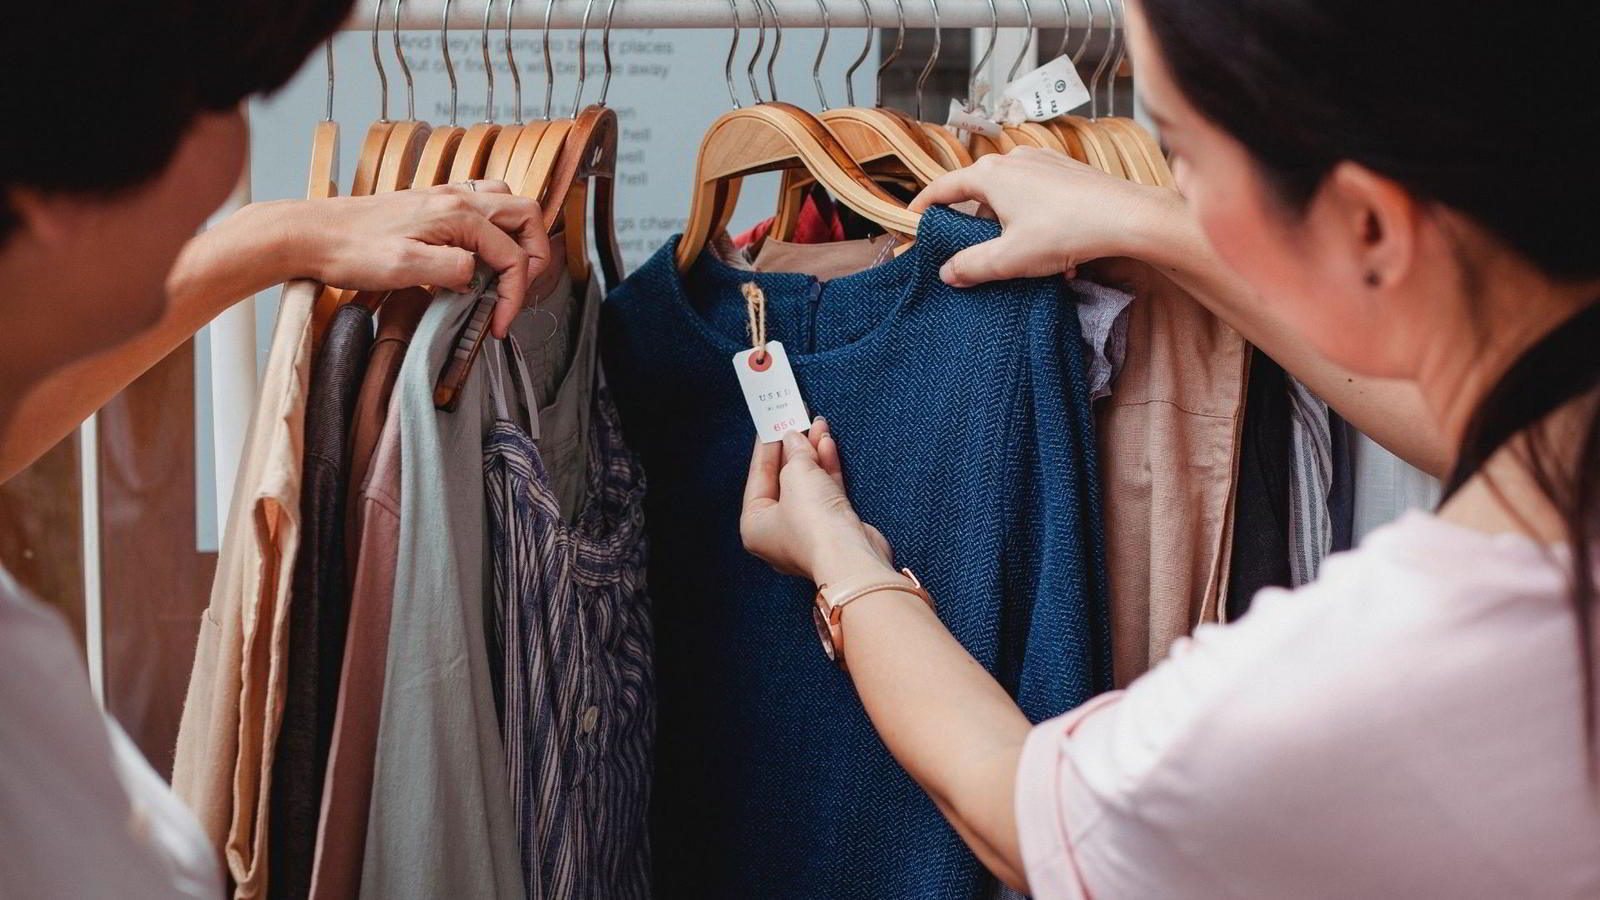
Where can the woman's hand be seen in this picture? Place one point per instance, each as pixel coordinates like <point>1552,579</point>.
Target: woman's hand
<point>797,517</point>
<point>424,236</point>
<point>1057,213</point>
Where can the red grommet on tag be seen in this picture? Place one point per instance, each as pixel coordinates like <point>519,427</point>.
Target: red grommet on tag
<point>760,361</point>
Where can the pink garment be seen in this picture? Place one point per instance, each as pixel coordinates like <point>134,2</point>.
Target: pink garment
<point>1409,725</point>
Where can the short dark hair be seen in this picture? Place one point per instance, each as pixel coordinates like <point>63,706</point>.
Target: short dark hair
<point>113,84</point>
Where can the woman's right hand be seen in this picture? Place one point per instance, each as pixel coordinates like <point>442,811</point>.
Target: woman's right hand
<point>1056,212</point>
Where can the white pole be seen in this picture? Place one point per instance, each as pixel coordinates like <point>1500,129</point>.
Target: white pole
<point>89,508</point>
<point>233,375</point>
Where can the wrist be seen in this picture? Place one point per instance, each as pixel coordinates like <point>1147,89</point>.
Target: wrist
<point>851,563</point>
<point>289,241</point>
<point>1155,227</point>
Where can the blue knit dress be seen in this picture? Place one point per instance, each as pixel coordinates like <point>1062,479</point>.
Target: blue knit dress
<point>963,422</point>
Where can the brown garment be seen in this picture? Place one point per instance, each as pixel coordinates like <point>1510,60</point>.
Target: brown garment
<point>823,262</point>
<point>397,320</point>
<point>347,789</point>
<point>229,731</point>
<point>1169,446</point>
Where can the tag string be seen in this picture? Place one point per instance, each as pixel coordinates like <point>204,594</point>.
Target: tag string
<point>755,305</point>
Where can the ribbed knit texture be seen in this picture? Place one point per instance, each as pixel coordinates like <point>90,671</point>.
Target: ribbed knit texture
<point>963,423</point>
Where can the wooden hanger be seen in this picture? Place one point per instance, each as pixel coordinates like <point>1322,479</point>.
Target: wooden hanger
<point>438,153</point>
<point>590,155</point>
<point>770,137</point>
<point>947,146</point>
<point>875,136</point>
<point>477,144</point>
<point>982,145</point>
<point>323,181</point>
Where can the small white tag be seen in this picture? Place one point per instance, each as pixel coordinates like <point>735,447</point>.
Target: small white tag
<point>1053,89</point>
<point>974,120</point>
<point>770,392</point>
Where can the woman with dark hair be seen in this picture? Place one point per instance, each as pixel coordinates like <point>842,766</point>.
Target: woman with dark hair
<point>1392,200</point>
<point>131,142</point>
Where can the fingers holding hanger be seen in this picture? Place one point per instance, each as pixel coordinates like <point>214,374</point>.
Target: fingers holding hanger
<point>519,217</point>
<point>1055,211</point>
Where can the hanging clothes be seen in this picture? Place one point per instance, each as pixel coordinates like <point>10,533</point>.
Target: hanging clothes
<point>1169,438</point>
<point>1310,483</point>
<point>575,622</point>
<point>397,321</point>
<point>347,789</point>
<point>227,740</point>
<point>1342,495</point>
<point>318,605</point>
<point>770,781</point>
<point>1261,504</point>
<point>440,822</point>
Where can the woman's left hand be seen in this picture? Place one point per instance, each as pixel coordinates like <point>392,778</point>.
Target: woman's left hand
<point>424,236</point>
<point>797,516</point>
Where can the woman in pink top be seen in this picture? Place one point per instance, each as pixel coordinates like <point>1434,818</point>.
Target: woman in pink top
<point>1421,721</point>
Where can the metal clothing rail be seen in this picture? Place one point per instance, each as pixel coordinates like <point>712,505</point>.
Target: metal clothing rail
<point>568,14</point>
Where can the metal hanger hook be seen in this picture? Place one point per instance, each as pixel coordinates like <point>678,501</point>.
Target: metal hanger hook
<point>733,50</point>
<point>1088,32</point>
<point>1105,59</point>
<point>583,55</point>
<point>1119,33</point>
<point>761,42</point>
<point>988,52</point>
<point>411,87</point>
<point>777,42</point>
<point>933,58</point>
<point>605,51</point>
<point>488,65</point>
<point>449,64</point>
<point>511,63</point>
<point>377,60</point>
<point>822,50</point>
<point>328,59</point>
<point>1066,28</point>
<point>866,49</point>
<point>1027,43</point>
<point>899,44</point>
<point>549,64</point>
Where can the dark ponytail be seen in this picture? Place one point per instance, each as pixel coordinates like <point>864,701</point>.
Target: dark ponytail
<point>1491,112</point>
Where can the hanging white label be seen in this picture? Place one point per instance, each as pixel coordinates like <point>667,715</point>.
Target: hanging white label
<point>1053,89</point>
<point>771,392</point>
<point>970,120</point>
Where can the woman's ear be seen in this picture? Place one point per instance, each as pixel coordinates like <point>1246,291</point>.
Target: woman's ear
<point>1371,223</point>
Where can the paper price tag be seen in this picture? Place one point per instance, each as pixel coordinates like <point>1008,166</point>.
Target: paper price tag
<point>771,392</point>
<point>1053,89</point>
<point>974,120</point>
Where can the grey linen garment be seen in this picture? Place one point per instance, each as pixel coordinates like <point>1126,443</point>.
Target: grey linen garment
<point>440,822</point>
<point>1310,482</point>
<point>580,704</point>
<point>1103,317</point>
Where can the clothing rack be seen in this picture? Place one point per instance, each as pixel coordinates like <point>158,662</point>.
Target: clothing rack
<point>233,336</point>
<point>568,14</point>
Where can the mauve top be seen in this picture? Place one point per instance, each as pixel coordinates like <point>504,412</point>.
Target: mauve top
<point>1408,725</point>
